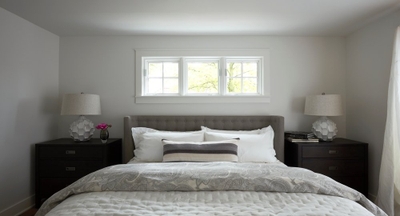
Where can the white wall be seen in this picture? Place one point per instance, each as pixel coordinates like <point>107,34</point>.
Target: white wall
<point>105,65</point>
<point>369,56</point>
<point>29,59</point>
<point>30,86</point>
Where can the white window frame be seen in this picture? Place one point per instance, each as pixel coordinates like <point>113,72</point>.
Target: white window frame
<point>223,55</point>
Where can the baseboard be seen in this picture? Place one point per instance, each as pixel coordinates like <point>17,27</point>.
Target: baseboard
<point>19,207</point>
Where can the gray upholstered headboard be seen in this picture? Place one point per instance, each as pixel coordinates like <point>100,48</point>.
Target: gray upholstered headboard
<point>192,123</point>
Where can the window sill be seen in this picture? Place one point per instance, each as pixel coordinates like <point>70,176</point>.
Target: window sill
<point>202,99</point>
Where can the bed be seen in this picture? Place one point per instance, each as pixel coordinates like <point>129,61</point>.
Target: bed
<point>227,173</point>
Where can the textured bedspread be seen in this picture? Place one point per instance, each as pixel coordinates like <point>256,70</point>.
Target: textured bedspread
<point>206,203</point>
<point>222,176</point>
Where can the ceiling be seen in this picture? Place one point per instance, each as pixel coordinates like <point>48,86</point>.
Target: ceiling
<point>200,17</point>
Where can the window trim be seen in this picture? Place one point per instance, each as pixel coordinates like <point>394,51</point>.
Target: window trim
<point>206,53</point>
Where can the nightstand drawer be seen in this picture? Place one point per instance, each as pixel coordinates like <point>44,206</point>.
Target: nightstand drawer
<point>335,167</point>
<point>333,151</point>
<point>69,169</point>
<point>70,152</point>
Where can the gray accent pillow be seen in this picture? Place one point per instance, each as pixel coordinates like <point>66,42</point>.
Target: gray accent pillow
<point>177,151</point>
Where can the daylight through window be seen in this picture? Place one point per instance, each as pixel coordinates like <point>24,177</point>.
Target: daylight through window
<point>201,76</point>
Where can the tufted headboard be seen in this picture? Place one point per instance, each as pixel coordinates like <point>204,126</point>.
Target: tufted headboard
<point>192,123</point>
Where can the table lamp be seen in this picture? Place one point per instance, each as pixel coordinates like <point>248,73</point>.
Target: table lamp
<point>324,105</point>
<point>81,104</point>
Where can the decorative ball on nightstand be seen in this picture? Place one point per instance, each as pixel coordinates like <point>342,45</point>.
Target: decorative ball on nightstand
<point>82,129</point>
<point>324,129</point>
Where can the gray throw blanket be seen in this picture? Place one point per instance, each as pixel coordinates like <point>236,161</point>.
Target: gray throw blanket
<point>215,176</point>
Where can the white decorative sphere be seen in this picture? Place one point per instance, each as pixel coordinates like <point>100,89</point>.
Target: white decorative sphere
<point>324,129</point>
<point>81,129</point>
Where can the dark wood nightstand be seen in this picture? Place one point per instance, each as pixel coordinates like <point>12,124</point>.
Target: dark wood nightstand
<point>60,162</point>
<point>344,160</point>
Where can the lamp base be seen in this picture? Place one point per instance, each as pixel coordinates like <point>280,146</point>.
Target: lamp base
<point>324,128</point>
<point>81,130</point>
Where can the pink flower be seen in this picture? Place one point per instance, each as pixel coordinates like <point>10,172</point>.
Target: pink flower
<point>103,126</point>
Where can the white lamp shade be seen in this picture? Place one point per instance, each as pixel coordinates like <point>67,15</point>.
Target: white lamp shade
<point>323,105</point>
<point>81,104</point>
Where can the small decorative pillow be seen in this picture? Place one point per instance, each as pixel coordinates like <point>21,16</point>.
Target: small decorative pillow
<point>256,131</point>
<point>225,150</point>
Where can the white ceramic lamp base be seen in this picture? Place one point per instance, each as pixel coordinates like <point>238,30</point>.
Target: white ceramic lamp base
<point>325,129</point>
<point>82,129</point>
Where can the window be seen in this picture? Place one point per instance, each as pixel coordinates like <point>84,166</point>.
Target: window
<point>161,77</point>
<point>198,76</point>
<point>242,76</point>
<point>202,76</point>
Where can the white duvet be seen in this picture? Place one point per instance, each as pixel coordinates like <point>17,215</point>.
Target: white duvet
<point>207,189</point>
<point>206,203</point>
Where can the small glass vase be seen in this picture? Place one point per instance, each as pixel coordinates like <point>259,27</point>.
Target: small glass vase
<point>104,135</point>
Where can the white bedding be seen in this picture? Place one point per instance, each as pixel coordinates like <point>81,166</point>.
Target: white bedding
<point>215,188</point>
<point>206,203</point>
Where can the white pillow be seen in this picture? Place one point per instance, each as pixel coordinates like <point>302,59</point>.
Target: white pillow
<point>148,145</point>
<point>257,131</point>
<point>251,147</point>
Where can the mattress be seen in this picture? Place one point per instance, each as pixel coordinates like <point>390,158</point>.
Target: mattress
<point>206,203</point>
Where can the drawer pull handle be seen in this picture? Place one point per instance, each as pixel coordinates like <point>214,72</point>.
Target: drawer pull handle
<point>333,168</point>
<point>70,169</point>
<point>332,152</point>
<point>70,152</point>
